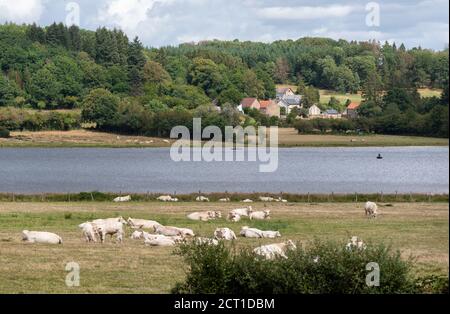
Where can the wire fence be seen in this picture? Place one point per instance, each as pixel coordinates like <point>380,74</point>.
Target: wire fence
<point>232,197</point>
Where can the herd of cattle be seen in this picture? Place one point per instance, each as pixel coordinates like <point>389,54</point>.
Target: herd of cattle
<point>155,234</point>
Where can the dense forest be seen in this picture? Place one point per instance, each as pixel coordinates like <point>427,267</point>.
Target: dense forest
<point>119,85</point>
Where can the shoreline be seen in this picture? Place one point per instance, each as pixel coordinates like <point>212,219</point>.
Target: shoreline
<point>288,138</point>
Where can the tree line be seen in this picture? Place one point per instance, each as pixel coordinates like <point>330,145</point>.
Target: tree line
<point>122,86</point>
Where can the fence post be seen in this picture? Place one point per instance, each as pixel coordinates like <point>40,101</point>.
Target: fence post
<point>92,196</point>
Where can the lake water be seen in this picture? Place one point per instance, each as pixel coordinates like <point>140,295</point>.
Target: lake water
<point>301,170</point>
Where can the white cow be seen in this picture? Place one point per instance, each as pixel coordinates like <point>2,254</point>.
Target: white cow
<point>371,209</point>
<point>168,231</point>
<point>247,201</point>
<point>136,235</point>
<point>251,232</point>
<point>266,199</point>
<point>202,199</point>
<point>241,212</point>
<point>165,198</point>
<point>234,217</point>
<point>41,237</point>
<point>185,232</point>
<point>201,216</point>
<point>112,226</point>
<point>271,234</point>
<point>355,243</point>
<point>224,200</point>
<point>90,231</point>
<point>122,199</point>
<point>166,241</point>
<point>256,233</point>
<point>272,251</point>
<point>142,223</point>
<point>224,234</point>
<point>261,215</point>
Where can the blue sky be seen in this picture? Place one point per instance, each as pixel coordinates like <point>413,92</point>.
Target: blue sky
<point>170,22</point>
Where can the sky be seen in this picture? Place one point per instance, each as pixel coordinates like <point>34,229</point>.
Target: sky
<point>159,23</point>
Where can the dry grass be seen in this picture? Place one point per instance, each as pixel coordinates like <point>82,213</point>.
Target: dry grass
<point>78,138</point>
<point>290,137</point>
<point>421,229</point>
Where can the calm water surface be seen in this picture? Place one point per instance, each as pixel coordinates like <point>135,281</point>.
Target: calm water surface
<point>301,170</point>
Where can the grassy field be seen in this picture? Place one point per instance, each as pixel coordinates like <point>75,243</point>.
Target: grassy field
<point>325,95</point>
<point>418,229</point>
<point>78,138</point>
<point>288,137</point>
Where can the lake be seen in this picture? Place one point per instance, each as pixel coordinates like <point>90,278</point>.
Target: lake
<point>301,170</point>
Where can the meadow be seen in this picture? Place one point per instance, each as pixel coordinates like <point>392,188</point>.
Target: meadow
<point>417,229</point>
<point>288,137</point>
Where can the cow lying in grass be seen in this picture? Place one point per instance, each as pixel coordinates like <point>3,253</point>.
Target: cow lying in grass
<point>41,237</point>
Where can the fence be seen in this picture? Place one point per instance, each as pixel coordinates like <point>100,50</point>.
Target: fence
<point>234,197</point>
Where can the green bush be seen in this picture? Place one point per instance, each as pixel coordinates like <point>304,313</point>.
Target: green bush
<point>223,270</point>
<point>4,133</point>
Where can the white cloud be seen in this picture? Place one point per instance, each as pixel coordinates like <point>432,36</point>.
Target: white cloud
<point>305,12</point>
<point>128,14</point>
<point>21,11</point>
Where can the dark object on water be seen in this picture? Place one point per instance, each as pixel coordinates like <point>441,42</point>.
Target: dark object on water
<point>379,156</point>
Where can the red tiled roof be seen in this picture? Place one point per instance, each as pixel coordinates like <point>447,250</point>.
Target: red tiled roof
<point>353,106</point>
<point>248,102</point>
<point>265,103</point>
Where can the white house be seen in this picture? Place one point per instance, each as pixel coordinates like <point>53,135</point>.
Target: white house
<point>314,111</point>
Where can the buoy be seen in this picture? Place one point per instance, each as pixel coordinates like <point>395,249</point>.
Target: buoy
<point>379,156</point>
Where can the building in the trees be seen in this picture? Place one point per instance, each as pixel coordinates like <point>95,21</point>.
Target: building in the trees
<point>331,114</point>
<point>352,110</point>
<point>314,111</point>
<point>250,103</point>
<point>284,92</point>
<point>286,98</point>
<point>270,108</point>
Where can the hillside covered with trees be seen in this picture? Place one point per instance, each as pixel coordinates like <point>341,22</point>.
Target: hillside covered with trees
<point>122,86</point>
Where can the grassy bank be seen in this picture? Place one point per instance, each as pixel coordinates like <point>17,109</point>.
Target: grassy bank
<point>418,229</point>
<point>234,197</point>
<point>288,137</point>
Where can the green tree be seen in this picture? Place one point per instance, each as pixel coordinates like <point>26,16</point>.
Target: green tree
<point>8,91</point>
<point>45,87</point>
<point>100,106</point>
<point>136,62</point>
<point>155,73</point>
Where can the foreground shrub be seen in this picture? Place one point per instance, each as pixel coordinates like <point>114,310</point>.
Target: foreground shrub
<point>223,270</point>
<point>4,133</point>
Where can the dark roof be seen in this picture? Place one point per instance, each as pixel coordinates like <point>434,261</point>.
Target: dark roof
<point>248,102</point>
<point>293,100</point>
